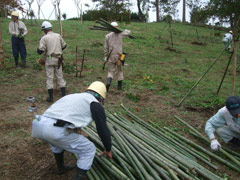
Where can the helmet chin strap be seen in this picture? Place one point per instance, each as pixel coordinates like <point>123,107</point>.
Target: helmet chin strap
<point>96,95</point>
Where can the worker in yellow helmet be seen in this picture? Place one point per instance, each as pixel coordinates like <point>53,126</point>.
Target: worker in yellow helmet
<point>18,30</point>
<point>75,111</point>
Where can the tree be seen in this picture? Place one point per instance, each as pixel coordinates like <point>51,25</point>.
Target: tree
<point>79,8</point>
<point>8,5</point>
<point>116,9</point>
<point>228,11</point>
<point>29,7</point>
<point>64,15</point>
<point>169,7</point>
<point>184,12</point>
<point>39,3</point>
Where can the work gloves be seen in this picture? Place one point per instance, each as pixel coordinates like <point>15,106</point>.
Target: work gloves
<point>215,145</point>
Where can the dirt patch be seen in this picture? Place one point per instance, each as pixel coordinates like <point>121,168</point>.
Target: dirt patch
<point>198,43</point>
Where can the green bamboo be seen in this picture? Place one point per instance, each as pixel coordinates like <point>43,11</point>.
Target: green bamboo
<point>195,85</point>
<point>111,168</point>
<point>133,160</point>
<point>134,150</point>
<point>205,151</point>
<point>220,150</point>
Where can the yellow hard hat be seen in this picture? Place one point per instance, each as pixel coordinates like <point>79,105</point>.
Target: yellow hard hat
<point>15,13</point>
<point>98,87</point>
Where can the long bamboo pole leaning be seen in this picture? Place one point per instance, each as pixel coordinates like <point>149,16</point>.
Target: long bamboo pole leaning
<point>198,81</point>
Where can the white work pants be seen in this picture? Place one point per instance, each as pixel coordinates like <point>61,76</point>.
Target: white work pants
<point>60,139</point>
<point>226,133</point>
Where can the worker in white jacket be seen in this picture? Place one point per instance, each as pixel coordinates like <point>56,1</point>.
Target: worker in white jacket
<point>18,30</point>
<point>113,49</point>
<point>226,123</point>
<point>227,40</point>
<point>72,112</point>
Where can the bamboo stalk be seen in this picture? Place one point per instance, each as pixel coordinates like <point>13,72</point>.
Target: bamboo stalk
<point>205,151</point>
<point>198,81</point>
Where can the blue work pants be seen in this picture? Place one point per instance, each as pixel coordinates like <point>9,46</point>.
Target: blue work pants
<point>18,46</point>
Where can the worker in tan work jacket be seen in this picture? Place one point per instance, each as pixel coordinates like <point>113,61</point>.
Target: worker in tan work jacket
<point>112,51</point>
<point>52,44</point>
<point>18,30</point>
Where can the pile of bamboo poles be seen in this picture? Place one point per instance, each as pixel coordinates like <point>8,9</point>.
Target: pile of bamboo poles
<point>141,151</point>
<point>106,26</point>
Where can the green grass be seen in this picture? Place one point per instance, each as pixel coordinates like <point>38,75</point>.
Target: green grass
<point>156,77</point>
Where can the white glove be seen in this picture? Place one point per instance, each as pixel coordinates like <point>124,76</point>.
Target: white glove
<point>105,59</point>
<point>215,145</point>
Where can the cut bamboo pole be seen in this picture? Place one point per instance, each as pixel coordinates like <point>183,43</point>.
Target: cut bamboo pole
<point>198,81</point>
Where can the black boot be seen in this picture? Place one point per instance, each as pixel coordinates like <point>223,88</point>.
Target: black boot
<point>235,142</point>
<point>60,164</point>
<point>63,90</point>
<point>24,62</point>
<point>16,62</point>
<point>80,174</point>
<point>109,81</point>
<point>119,85</point>
<point>50,93</point>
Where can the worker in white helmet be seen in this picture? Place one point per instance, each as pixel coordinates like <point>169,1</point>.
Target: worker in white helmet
<point>112,49</point>
<point>227,40</point>
<point>52,45</point>
<point>75,111</point>
<point>18,30</point>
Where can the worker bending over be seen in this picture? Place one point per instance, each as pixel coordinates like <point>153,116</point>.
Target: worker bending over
<point>226,123</point>
<point>72,112</point>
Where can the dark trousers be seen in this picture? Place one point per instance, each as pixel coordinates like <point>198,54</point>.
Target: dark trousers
<point>18,46</point>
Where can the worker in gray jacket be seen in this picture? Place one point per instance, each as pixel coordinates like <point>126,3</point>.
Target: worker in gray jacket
<point>72,112</point>
<point>226,123</point>
<point>18,30</point>
<point>52,45</point>
<point>227,40</point>
<point>113,49</point>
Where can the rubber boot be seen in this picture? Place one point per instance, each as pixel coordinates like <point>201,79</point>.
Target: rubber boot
<point>109,81</point>
<point>50,93</point>
<point>119,85</point>
<point>16,62</point>
<point>80,174</point>
<point>24,62</point>
<point>235,142</point>
<point>61,169</point>
<point>63,90</point>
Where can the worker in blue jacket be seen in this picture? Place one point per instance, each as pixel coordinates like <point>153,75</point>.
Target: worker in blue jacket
<point>226,123</point>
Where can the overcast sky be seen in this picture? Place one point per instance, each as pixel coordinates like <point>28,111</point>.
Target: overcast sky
<point>68,7</point>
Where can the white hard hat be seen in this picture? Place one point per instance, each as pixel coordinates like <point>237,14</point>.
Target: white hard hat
<point>98,87</point>
<point>15,13</point>
<point>46,25</point>
<point>115,24</point>
<point>230,32</point>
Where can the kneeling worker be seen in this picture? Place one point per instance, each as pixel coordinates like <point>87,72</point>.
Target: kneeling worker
<point>226,123</point>
<point>71,112</point>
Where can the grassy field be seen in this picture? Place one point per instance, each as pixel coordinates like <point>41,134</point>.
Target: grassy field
<point>157,76</point>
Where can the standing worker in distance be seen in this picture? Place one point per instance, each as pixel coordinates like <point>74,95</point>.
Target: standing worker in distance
<point>18,30</point>
<point>226,123</point>
<point>227,40</point>
<point>113,45</point>
<point>52,44</point>
<point>71,112</point>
